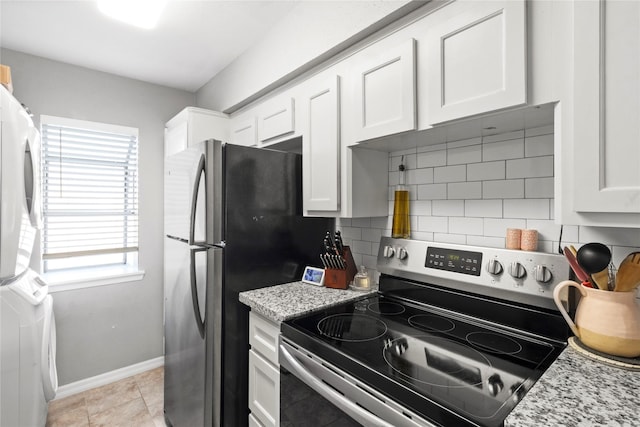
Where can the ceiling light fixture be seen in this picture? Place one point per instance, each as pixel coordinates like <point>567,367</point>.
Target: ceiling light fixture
<point>141,13</point>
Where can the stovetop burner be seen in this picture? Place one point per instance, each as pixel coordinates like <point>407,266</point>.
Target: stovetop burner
<point>388,308</point>
<point>352,327</point>
<point>493,342</point>
<point>432,323</point>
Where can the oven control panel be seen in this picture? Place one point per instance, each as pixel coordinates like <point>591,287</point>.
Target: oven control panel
<point>464,262</point>
<point>523,276</point>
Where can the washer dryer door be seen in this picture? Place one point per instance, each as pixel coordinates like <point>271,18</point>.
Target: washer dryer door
<point>48,355</point>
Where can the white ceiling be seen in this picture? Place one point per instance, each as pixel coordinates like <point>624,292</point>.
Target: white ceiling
<point>193,41</point>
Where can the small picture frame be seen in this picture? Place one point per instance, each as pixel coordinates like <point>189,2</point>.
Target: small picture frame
<point>313,276</point>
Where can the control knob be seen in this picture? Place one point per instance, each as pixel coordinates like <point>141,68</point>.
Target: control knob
<point>494,267</point>
<point>388,252</point>
<point>517,270</point>
<point>494,384</point>
<point>542,274</point>
<point>402,254</point>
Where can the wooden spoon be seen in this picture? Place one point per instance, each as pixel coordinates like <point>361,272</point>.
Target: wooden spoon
<point>628,276</point>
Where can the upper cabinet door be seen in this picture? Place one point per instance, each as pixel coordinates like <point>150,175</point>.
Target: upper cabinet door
<point>606,124</point>
<point>477,52</point>
<point>321,147</point>
<point>384,93</point>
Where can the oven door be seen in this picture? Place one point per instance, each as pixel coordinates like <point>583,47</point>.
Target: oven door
<point>313,390</point>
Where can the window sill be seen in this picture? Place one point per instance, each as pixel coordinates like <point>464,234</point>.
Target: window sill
<point>91,277</point>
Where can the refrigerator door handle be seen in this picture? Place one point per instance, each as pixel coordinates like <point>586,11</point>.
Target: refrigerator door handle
<point>194,291</point>
<point>194,198</point>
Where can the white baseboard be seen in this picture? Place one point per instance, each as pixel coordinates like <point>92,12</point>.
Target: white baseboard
<point>108,377</point>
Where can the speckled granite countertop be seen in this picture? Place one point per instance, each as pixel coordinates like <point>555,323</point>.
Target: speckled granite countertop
<point>574,392</point>
<point>577,391</point>
<point>283,302</point>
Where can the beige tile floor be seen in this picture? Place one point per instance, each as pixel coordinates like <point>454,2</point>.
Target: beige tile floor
<point>134,401</point>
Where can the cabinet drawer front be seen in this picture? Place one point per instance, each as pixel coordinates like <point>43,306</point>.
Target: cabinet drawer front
<point>264,390</point>
<point>244,133</point>
<point>277,121</point>
<point>263,337</point>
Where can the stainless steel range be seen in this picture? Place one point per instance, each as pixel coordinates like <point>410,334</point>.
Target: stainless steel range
<point>456,335</point>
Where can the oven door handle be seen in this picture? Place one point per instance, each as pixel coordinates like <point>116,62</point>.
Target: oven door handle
<point>351,408</point>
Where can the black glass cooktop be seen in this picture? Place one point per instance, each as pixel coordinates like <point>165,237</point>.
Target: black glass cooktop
<point>447,367</point>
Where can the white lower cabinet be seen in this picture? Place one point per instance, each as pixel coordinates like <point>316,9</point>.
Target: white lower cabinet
<point>264,372</point>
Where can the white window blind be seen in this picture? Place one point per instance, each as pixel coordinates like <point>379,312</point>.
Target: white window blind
<point>90,193</point>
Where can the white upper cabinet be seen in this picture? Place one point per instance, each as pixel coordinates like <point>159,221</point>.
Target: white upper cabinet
<point>321,146</point>
<point>384,93</point>
<point>193,125</point>
<point>244,132</point>
<point>277,119</point>
<point>476,55</point>
<point>599,167</point>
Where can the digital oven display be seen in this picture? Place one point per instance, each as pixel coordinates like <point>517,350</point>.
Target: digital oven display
<point>465,262</point>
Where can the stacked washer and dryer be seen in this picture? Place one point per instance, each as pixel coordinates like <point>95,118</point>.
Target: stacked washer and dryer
<point>28,377</point>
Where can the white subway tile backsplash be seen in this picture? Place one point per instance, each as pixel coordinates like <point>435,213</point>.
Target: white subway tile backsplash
<point>610,236</point>
<point>420,176</point>
<point>483,208</point>
<point>371,234</point>
<point>490,242</point>
<point>381,222</point>
<point>421,207</point>
<point>351,233</point>
<point>433,147</point>
<point>457,239</point>
<point>471,191</point>
<point>540,145</point>
<point>486,171</point>
<point>410,161</point>
<point>498,227</point>
<point>447,208</point>
<point>450,174</point>
<point>464,143</point>
<point>464,155</point>
<point>422,235</point>
<point>547,229</point>
<point>527,208</point>
<point>503,150</point>
<point>432,159</point>
<point>464,190</point>
<point>435,224</point>
<point>542,130</point>
<point>519,134</point>
<point>538,188</point>
<point>432,191</point>
<point>361,222</point>
<point>469,226</point>
<point>363,247</point>
<point>533,167</point>
<point>507,189</point>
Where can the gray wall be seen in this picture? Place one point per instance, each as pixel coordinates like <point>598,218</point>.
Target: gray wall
<point>109,327</point>
<point>312,32</point>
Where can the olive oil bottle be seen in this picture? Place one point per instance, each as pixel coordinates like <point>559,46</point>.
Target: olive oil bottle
<point>401,228</point>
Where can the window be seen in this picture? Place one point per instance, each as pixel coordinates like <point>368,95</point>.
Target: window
<point>90,195</point>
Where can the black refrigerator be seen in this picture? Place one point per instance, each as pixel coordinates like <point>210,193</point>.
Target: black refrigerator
<point>233,222</point>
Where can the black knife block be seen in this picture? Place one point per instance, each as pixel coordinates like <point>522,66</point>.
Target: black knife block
<point>341,278</point>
